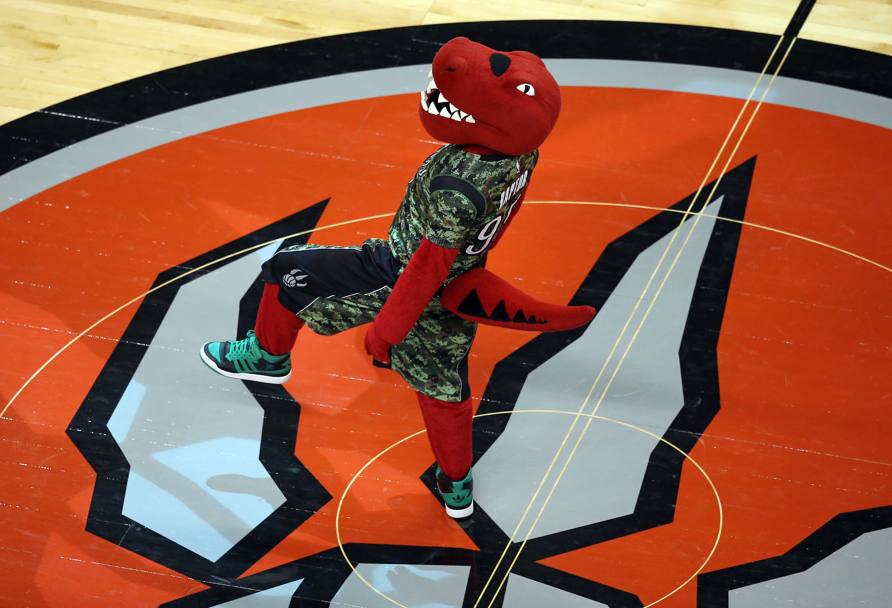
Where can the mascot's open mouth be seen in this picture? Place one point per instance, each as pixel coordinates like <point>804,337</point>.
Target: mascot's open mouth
<point>434,102</point>
<point>487,99</point>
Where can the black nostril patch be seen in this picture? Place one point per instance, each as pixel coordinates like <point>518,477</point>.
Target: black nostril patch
<point>499,63</point>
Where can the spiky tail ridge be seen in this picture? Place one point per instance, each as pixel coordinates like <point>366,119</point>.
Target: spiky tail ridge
<point>483,297</point>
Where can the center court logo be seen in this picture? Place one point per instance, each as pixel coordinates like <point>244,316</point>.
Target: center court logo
<point>212,498</point>
<point>198,525</point>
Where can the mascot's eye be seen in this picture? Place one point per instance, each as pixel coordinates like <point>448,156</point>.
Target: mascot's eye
<point>526,89</point>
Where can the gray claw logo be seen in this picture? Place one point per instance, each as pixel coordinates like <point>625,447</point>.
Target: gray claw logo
<point>222,491</point>
<point>294,279</point>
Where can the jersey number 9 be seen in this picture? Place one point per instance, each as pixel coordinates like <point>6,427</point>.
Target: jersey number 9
<point>485,236</point>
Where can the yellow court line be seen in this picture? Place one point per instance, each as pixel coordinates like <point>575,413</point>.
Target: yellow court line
<point>385,215</point>
<point>622,332</point>
<point>591,417</point>
<point>641,323</point>
<point>579,413</point>
<point>165,284</point>
<point>724,219</point>
<point>619,337</point>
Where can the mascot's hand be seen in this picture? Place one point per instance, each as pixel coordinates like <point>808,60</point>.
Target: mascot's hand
<point>413,290</point>
<point>377,347</point>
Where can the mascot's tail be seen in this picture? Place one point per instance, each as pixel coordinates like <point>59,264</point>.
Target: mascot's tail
<point>480,296</point>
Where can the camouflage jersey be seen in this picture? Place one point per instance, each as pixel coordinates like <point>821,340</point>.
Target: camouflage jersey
<point>459,200</point>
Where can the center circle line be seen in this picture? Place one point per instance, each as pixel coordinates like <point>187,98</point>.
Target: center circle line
<point>687,457</point>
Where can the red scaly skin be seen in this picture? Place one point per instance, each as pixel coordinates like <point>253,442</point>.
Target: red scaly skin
<point>513,112</point>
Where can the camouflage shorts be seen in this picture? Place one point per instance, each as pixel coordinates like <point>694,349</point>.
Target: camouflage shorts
<point>433,358</point>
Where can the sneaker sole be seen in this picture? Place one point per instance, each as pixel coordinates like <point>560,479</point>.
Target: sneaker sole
<point>243,376</point>
<point>460,513</point>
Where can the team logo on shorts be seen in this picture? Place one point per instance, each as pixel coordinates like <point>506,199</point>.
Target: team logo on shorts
<point>294,279</point>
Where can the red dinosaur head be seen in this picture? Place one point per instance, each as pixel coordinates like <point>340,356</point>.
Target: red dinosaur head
<point>505,101</point>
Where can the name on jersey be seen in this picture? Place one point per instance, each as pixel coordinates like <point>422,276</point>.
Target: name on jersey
<point>515,187</point>
<point>488,232</point>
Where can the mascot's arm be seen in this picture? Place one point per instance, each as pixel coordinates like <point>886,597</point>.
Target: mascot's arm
<point>426,271</point>
<point>451,220</point>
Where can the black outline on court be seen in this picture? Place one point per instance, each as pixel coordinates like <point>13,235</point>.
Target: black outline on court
<point>697,356</point>
<point>713,588</point>
<point>38,134</point>
<point>799,17</point>
<point>89,432</point>
<point>66,123</point>
<point>656,502</point>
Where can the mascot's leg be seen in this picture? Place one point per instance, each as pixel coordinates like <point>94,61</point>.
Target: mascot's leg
<point>264,355</point>
<point>328,288</point>
<point>276,327</point>
<point>449,432</point>
<point>433,359</point>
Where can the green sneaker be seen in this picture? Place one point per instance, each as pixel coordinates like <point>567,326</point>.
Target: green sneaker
<point>457,495</point>
<point>246,359</point>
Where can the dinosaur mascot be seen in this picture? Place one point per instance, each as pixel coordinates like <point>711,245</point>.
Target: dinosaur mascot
<point>424,289</point>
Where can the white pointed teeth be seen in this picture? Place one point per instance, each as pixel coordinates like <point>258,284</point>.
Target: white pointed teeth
<point>434,102</point>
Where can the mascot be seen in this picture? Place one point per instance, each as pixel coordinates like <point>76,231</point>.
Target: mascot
<point>425,288</point>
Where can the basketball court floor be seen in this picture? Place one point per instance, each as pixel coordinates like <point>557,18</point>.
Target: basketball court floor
<point>717,187</point>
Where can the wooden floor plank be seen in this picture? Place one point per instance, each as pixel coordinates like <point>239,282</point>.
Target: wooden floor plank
<point>70,47</point>
<point>862,24</point>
